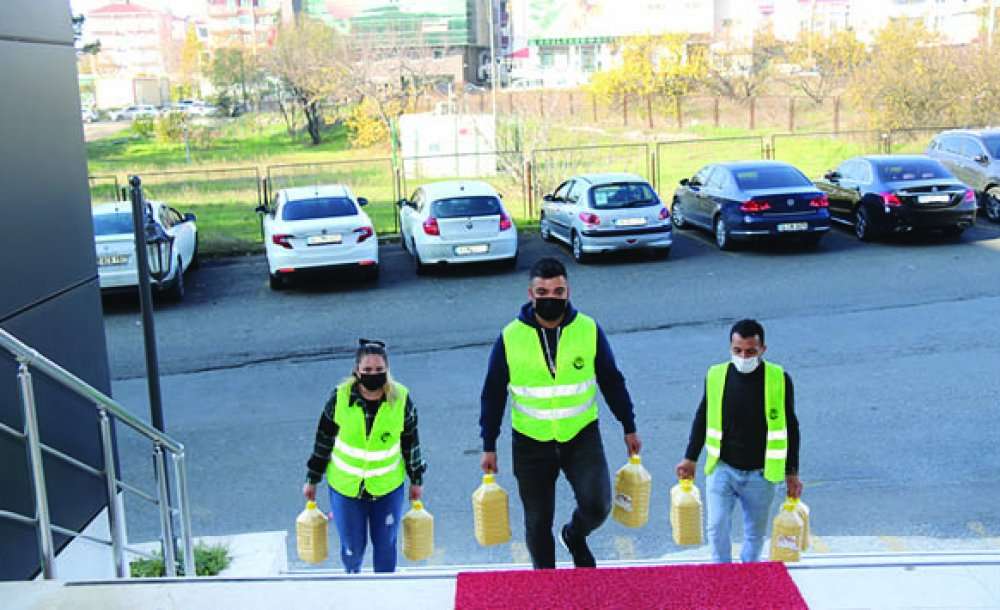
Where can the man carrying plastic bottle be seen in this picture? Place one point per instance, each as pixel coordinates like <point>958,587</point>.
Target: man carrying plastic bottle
<point>552,359</point>
<point>746,422</point>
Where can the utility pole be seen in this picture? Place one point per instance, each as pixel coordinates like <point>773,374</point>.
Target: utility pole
<point>991,14</point>
<point>493,70</point>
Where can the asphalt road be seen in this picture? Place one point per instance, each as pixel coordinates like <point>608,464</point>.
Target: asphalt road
<point>893,348</point>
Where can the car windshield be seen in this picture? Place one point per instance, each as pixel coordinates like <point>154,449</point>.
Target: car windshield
<point>993,145</point>
<point>462,207</point>
<point>113,223</point>
<point>321,207</point>
<point>622,195</point>
<point>912,170</point>
<point>770,178</point>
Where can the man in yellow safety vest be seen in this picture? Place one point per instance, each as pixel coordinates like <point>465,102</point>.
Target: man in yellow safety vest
<point>552,359</point>
<point>746,423</point>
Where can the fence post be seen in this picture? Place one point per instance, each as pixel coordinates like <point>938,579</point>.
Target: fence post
<point>625,109</point>
<point>836,115</point>
<point>649,110</point>
<point>571,103</point>
<point>529,182</point>
<point>716,111</point>
<point>679,107</point>
<point>654,169</point>
<point>791,113</point>
<point>510,103</point>
<point>541,103</point>
<point>482,103</point>
<point>753,113</point>
<point>593,105</point>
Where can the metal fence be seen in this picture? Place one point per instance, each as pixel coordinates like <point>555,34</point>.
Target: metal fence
<point>551,166</point>
<point>504,170</point>
<point>373,179</point>
<point>678,159</point>
<point>815,153</point>
<point>103,188</point>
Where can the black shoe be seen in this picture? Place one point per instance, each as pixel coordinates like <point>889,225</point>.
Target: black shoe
<point>577,547</point>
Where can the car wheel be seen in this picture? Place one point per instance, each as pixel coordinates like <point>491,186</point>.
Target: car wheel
<point>862,225</point>
<point>543,229</point>
<point>176,290</point>
<point>371,273</point>
<point>722,239</point>
<point>418,265</point>
<point>954,233</point>
<point>578,254</point>
<point>194,256</point>
<point>276,282</point>
<point>511,263</point>
<point>677,216</point>
<point>660,253</point>
<point>992,204</point>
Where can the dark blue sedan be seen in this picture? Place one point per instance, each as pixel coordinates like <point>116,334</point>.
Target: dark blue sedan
<point>748,200</point>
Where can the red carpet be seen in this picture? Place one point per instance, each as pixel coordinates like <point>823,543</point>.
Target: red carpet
<point>733,586</point>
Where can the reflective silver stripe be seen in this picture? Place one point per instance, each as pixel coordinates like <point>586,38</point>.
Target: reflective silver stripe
<point>716,434</point>
<point>553,391</point>
<point>777,435</point>
<point>551,414</point>
<point>368,456</point>
<point>359,472</point>
<point>712,451</point>
<point>776,454</point>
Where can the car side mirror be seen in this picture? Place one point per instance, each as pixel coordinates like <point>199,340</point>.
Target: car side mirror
<point>983,159</point>
<point>832,176</point>
<point>189,217</point>
<point>402,203</point>
<point>548,198</point>
<point>362,201</point>
<point>684,182</point>
<point>261,209</point>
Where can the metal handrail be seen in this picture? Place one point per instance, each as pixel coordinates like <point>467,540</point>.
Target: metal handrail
<point>108,411</point>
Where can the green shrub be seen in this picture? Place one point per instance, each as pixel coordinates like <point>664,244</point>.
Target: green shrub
<point>208,561</point>
<point>143,126</point>
<point>170,127</point>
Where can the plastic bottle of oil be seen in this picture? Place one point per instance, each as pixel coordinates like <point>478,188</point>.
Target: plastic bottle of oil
<point>491,513</point>
<point>311,534</point>
<point>633,484</point>
<point>686,513</point>
<point>803,511</point>
<point>786,534</point>
<point>418,533</point>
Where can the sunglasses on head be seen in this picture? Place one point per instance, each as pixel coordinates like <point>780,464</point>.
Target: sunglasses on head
<point>371,343</point>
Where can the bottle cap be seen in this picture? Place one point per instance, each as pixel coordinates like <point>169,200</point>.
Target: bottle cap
<point>489,478</point>
<point>418,505</point>
<point>310,505</point>
<point>687,484</point>
<point>634,459</point>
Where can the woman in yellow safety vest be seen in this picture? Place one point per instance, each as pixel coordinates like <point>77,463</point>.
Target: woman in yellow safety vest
<point>366,444</point>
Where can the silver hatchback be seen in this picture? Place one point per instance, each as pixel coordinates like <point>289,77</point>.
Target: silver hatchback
<point>597,213</point>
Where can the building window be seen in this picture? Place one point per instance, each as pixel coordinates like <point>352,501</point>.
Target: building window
<point>588,59</point>
<point>547,57</point>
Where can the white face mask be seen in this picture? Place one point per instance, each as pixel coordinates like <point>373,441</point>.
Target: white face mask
<point>746,365</point>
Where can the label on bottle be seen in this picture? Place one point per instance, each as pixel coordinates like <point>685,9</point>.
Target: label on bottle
<point>624,502</point>
<point>790,543</point>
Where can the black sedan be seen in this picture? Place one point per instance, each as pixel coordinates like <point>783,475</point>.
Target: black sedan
<point>752,200</point>
<point>883,195</point>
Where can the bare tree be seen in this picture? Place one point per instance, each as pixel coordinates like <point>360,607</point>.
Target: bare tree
<point>743,71</point>
<point>306,57</point>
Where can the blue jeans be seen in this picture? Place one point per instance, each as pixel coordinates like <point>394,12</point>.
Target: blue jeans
<point>724,487</point>
<point>355,518</point>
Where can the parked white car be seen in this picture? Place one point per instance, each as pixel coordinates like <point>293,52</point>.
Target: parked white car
<point>457,222</point>
<point>130,113</point>
<point>115,243</point>
<point>318,228</point>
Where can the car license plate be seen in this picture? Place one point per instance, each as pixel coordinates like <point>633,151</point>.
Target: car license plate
<point>793,226</point>
<point>108,261</point>
<point>933,199</point>
<point>630,222</point>
<point>322,240</point>
<point>470,250</point>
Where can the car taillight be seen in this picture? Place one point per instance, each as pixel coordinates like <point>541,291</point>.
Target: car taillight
<point>970,196</point>
<point>431,226</point>
<point>364,233</point>
<point>281,239</point>
<point>590,219</point>
<point>755,206</point>
<point>664,214</point>
<point>505,222</point>
<point>891,200</point>
<point>820,202</point>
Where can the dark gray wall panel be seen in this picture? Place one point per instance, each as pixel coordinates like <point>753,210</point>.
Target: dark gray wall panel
<point>36,19</point>
<point>69,330</point>
<point>45,203</point>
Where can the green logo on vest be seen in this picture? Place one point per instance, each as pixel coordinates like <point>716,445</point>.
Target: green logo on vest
<point>578,363</point>
<point>772,413</point>
<point>385,437</point>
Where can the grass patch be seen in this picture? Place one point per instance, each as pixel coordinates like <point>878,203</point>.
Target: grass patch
<point>209,560</point>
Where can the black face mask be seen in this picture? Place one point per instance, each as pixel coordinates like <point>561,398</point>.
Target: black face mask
<point>550,310</point>
<point>374,381</point>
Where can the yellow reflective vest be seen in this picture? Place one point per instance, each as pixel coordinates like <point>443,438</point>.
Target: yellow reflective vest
<point>549,408</point>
